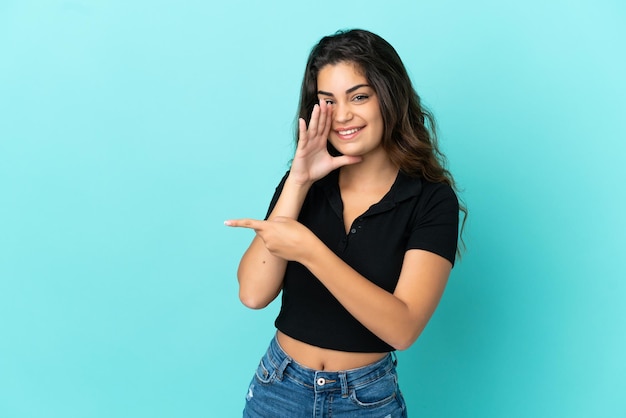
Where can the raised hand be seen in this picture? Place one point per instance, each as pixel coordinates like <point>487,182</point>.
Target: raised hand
<point>312,160</point>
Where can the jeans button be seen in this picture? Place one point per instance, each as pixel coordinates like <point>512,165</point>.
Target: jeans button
<point>321,381</point>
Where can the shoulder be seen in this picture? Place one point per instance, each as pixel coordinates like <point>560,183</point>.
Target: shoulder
<point>438,194</point>
<point>425,194</point>
<point>436,204</point>
<point>435,220</point>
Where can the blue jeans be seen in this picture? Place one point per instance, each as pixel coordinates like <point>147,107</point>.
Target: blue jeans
<point>282,388</point>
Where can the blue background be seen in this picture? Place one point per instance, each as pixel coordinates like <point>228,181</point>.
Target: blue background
<point>129,130</point>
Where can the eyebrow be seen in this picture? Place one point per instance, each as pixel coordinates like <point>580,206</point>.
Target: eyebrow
<point>350,90</point>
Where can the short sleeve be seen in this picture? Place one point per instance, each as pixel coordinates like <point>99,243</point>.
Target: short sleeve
<point>277,192</point>
<point>436,222</point>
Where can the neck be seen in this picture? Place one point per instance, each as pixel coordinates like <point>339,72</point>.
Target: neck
<point>369,172</point>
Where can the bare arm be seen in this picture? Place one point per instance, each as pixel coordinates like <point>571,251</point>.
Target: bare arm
<point>260,272</point>
<point>397,318</point>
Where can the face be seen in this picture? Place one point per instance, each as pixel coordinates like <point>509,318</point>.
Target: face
<point>357,124</point>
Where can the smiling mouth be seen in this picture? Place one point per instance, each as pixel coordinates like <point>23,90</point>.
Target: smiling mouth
<point>348,131</point>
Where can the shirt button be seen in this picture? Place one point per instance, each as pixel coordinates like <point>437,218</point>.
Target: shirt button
<point>353,230</point>
<point>321,381</point>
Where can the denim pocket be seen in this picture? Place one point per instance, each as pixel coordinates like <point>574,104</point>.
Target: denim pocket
<point>377,393</point>
<point>265,374</point>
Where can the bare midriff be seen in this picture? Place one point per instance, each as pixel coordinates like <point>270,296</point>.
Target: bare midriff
<point>323,358</point>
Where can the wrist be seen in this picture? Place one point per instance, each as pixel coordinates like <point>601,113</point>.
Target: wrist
<point>298,184</point>
<point>291,199</point>
<point>314,250</point>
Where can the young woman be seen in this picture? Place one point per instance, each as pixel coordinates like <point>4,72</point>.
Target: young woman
<point>360,237</point>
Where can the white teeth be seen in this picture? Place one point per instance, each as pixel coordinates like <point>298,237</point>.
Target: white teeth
<point>348,132</point>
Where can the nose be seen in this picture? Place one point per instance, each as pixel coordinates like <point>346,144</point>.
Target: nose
<point>341,112</point>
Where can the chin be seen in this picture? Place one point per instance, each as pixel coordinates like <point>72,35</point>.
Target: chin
<point>341,149</point>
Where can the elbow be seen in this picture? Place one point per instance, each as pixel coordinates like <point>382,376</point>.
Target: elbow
<point>256,298</point>
<point>253,293</point>
<point>402,345</point>
<point>249,301</point>
<point>404,341</point>
<point>249,295</point>
<point>405,336</point>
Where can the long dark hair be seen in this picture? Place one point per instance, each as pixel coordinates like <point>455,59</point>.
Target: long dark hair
<point>409,136</point>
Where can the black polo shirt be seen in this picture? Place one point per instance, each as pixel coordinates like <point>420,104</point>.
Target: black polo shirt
<point>414,214</point>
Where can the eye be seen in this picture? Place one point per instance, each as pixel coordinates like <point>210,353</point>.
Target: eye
<point>329,102</point>
<point>360,97</point>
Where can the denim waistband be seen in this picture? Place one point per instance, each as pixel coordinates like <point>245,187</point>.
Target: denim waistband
<point>323,381</point>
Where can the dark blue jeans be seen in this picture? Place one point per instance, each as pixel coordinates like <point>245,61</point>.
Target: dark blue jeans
<point>283,388</point>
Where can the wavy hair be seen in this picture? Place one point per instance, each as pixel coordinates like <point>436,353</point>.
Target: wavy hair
<point>409,135</point>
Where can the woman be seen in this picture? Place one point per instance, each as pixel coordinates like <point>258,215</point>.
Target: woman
<point>360,236</point>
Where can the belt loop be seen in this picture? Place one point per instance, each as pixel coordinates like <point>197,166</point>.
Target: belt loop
<point>343,378</point>
<point>394,357</point>
<point>282,367</point>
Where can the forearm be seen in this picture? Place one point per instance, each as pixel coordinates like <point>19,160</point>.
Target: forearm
<point>291,199</point>
<point>261,273</point>
<point>388,316</point>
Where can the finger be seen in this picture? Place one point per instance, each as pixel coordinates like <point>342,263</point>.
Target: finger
<point>302,139</point>
<point>245,223</point>
<point>315,114</point>
<point>328,120</point>
<point>346,160</point>
<point>323,117</point>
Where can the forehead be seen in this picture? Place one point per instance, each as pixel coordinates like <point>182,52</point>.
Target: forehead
<point>341,73</point>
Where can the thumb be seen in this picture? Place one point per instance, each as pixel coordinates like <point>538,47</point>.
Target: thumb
<point>346,160</point>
